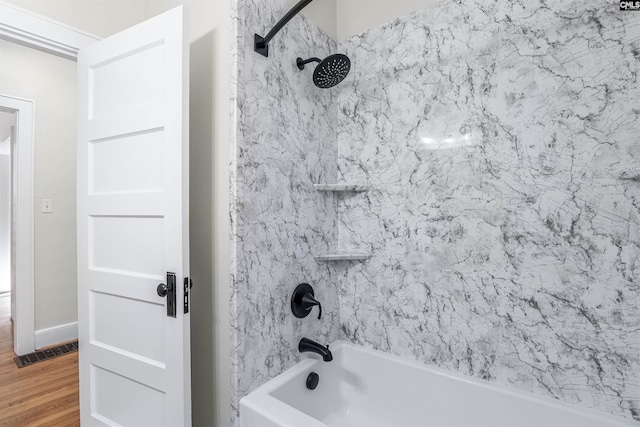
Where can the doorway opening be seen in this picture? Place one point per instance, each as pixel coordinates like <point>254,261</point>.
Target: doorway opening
<point>7,127</point>
<point>16,218</point>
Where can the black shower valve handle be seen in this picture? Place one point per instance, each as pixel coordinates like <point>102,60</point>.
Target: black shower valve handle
<point>303,300</point>
<point>309,301</point>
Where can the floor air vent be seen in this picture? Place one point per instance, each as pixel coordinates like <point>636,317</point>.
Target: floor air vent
<point>48,353</point>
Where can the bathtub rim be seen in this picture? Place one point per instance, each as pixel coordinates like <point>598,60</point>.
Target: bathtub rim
<point>261,399</point>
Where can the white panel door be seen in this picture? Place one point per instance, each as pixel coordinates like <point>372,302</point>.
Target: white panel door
<point>132,226</point>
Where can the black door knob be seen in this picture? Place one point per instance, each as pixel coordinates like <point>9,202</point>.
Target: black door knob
<point>162,290</point>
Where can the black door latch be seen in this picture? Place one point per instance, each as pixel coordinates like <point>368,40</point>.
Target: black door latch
<point>169,290</point>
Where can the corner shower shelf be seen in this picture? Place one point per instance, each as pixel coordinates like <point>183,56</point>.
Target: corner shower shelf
<point>630,174</point>
<point>342,256</point>
<point>354,188</point>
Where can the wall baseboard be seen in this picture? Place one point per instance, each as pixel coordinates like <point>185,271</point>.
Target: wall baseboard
<point>56,334</point>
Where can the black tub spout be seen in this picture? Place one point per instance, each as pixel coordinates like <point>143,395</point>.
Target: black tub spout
<point>306,345</point>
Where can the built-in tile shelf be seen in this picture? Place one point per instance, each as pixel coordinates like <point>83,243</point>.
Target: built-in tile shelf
<point>630,174</point>
<point>342,256</point>
<point>353,188</point>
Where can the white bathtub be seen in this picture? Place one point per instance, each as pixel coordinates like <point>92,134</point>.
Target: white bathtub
<point>367,388</point>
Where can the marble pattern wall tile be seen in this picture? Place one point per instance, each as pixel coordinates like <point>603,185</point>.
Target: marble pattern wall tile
<point>283,142</point>
<point>504,245</point>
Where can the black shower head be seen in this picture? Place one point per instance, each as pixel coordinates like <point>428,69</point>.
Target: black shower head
<point>331,70</point>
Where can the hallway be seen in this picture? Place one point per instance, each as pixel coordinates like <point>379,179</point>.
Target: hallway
<point>43,394</point>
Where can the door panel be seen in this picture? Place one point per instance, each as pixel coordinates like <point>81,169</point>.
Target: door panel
<point>132,226</point>
<point>135,404</point>
<point>146,341</point>
<point>127,243</point>
<point>127,163</point>
<point>138,78</point>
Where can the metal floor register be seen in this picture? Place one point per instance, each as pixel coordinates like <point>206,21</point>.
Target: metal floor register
<point>46,354</point>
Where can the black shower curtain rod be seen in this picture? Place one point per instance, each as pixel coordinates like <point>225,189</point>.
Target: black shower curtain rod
<point>261,44</point>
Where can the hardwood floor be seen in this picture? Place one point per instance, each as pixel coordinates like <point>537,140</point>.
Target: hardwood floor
<point>43,394</point>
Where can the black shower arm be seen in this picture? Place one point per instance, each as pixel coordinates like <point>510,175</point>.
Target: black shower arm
<point>302,63</point>
<point>261,44</point>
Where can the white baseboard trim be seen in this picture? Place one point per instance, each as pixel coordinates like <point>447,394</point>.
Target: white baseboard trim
<point>56,334</point>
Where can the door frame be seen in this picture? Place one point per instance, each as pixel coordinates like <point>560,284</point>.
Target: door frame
<point>22,150</point>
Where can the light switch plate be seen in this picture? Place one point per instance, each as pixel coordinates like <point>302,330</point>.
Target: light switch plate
<point>47,205</point>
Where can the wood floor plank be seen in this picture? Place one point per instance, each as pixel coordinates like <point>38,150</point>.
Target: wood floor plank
<point>69,417</point>
<point>43,394</point>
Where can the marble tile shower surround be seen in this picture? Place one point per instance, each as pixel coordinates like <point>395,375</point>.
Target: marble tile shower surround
<point>504,245</point>
<point>283,142</point>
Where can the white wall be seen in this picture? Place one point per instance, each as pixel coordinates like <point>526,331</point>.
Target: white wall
<point>341,19</point>
<point>323,14</point>
<point>50,82</point>
<point>356,16</point>
<point>99,17</point>
<point>7,120</point>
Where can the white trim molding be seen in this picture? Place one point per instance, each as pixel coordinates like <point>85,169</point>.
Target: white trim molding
<point>56,335</point>
<point>30,29</point>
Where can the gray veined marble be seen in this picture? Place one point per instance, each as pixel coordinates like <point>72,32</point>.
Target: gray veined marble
<point>504,239</point>
<point>631,174</point>
<point>505,245</point>
<point>282,143</point>
<point>353,188</point>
